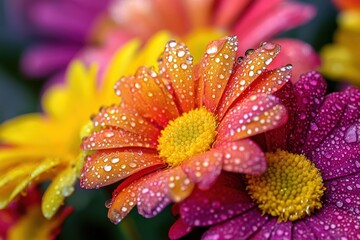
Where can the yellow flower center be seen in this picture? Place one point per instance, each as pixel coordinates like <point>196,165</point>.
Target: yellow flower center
<point>290,189</point>
<point>186,136</point>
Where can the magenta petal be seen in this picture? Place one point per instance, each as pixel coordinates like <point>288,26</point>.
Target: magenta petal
<point>42,60</point>
<point>243,156</point>
<point>224,200</point>
<point>274,231</point>
<point>203,169</point>
<point>179,229</point>
<point>335,222</point>
<point>345,192</point>
<point>241,227</point>
<point>309,92</point>
<point>153,197</point>
<point>302,231</point>
<point>301,55</point>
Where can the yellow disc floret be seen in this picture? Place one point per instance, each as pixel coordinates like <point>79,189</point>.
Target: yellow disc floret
<point>290,189</point>
<point>186,136</point>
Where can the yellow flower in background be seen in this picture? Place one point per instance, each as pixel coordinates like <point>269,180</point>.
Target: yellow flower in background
<point>38,147</point>
<point>341,59</point>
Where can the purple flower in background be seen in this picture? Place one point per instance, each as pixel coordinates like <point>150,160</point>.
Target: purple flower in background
<point>311,189</point>
<point>60,27</point>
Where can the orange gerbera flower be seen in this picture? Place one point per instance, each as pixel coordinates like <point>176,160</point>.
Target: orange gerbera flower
<point>183,125</point>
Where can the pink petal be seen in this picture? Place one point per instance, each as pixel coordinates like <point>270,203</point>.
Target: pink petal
<point>224,200</point>
<point>204,168</point>
<point>265,20</point>
<point>241,227</point>
<point>242,156</point>
<point>255,115</point>
<point>153,197</point>
<point>179,229</point>
<point>299,54</point>
<point>227,12</point>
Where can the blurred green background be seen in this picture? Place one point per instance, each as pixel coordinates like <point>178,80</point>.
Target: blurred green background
<point>19,95</point>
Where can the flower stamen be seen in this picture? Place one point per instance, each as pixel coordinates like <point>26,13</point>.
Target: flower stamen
<point>186,136</point>
<point>290,189</point>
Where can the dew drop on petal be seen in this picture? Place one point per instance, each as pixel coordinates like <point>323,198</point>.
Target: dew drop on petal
<point>107,168</point>
<point>67,191</point>
<point>351,135</point>
<point>108,203</point>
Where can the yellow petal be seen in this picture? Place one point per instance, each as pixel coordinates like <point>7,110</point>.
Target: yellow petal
<point>64,100</point>
<point>62,186</point>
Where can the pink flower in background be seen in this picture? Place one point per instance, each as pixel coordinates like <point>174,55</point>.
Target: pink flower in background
<point>23,218</point>
<point>93,30</point>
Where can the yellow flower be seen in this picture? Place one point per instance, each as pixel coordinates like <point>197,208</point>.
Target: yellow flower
<point>341,59</point>
<point>38,147</point>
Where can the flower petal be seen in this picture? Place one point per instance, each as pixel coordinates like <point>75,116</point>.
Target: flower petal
<point>266,19</point>
<point>204,168</point>
<point>224,200</point>
<point>122,117</point>
<point>303,102</point>
<point>153,197</point>
<point>147,93</point>
<point>250,222</point>
<point>62,186</point>
<point>245,73</point>
<point>243,156</point>
<point>301,230</point>
<point>215,70</point>
<point>108,166</point>
<point>180,186</point>
<point>344,192</point>
<point>255,115</point>
<point>335,222</point>
<point>179,229</point>
<point>125,196</point>
<point>176,65</point>
<point>110,138</point>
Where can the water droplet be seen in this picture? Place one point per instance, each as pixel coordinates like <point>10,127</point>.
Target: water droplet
<point>115,160</point>
<point>132,165</point>
<point>172,43</point>
<point>109,134</point>
<point>351,135</point>
<point>268,61</point>
<point>212,50</point>
<point>108,203</point>
<point>339,204</point>
<point>314,127</point>
<point>107,168</point>
<point>240,59</point>
<point>249,51</point>
<point>67,191</point>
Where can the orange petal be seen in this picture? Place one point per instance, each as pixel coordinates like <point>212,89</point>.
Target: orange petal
<point>179,185</point>
<point>116,138</point>
<point>121,204</point>
<point>106,166</point>
<point>122,117</point>
<point>147,93</point>
<point>176,65</point>
<point>255,115</point>
<point>268,82</point>
<point>252,65</point>
<point>242,156</point>
<point>126,195</point>
<point>203,169</point>
<point>215,70</point>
